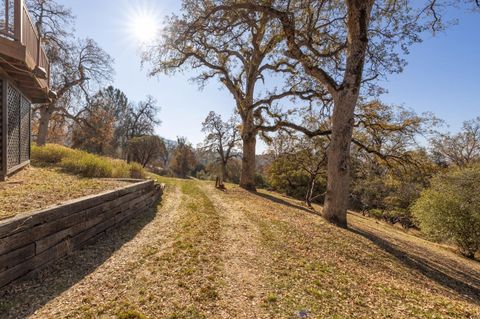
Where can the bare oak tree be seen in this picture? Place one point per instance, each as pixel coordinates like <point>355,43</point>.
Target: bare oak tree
<point>54,23</point>
<point>75,64</point>
<point>301,153</point>
<point>460,149</point>
<point>239,49</point>
<point>79,70</point>
<point>94,130</point>
<point>344,45</point>
<point>222,138</point>
<point>145,149</point>
<point>183,158</point>
<point>389,133</point>
<point>141,118</point>
<point>125,120</point>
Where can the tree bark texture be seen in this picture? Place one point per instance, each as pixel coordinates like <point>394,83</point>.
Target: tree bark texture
<point>45,115</point>
<point>338,166</point>
<point>247,178</point>
<point>345,101</point>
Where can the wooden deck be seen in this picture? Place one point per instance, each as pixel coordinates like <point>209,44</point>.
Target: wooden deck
<point>22,57</point>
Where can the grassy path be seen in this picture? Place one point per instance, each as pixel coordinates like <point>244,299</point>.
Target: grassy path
<point>235,254</point>
<point>107,282</point>
<point>168,269</point>
<point>245,263</point>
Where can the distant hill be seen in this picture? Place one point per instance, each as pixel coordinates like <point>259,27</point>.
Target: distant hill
<point>169,143</point>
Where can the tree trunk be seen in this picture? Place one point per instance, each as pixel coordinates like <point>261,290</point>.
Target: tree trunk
<point>45,115</point>
<point>223,172</point>
<point>309,196</point>
<point>338,166</point>
<point>247,179</point>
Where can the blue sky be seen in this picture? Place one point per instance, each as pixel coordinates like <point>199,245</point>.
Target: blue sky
<point>442,75</point>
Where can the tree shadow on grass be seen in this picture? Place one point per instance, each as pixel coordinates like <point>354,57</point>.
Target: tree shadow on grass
<point>284,202</point>
<point>22,298</point>
<point>441,270</point>
<point>463,283</point>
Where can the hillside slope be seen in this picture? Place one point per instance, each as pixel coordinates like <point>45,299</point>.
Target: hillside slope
<point>209,254</point>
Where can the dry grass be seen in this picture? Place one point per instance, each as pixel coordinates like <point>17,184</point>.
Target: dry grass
<point>210,254</point>
<point>75,161</point>
<point>371,271</point>
<point>35,188</point>
<point>184,276</point>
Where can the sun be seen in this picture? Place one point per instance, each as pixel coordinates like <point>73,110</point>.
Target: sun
<point>144,24</point>
<point>144,28</point>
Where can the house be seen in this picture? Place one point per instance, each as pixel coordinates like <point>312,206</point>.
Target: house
<point>24,79</point>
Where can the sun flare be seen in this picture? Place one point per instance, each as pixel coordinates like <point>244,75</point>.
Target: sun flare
<point>145,28</point>
<point>144,24</point>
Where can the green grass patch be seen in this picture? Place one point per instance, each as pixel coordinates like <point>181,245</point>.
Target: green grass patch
<point>130,314</point>
<point>195,255</point>
<point>84,164</point>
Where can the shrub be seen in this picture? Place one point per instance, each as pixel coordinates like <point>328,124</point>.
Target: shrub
<point>205,176</point>
<point>376,213</point>
<point>83,163</point>
<point>50,154</point>
<point>393,217</point>
<point>450,209</point>
<point>161,171</point>
<point>137,171</point>
<point>88,165</point>
<point>286,175</point>
<point>260,181</point>
<point>121,168</point>
<point>403,217</point>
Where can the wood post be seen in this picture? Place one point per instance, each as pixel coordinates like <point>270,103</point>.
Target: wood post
<point>7,18</point>
<point>18,20</point>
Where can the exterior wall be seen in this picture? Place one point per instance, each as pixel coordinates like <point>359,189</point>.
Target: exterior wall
<point>16,128</point>
<point>31,241</point>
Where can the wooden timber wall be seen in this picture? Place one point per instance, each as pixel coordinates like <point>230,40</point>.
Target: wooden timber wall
<point>31,241</point>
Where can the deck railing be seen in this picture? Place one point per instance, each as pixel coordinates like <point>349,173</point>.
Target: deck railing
<point>7,18</point>
<point>16,25</point>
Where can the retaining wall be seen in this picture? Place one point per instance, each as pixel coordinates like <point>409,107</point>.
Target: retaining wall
<point>30,241</point>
